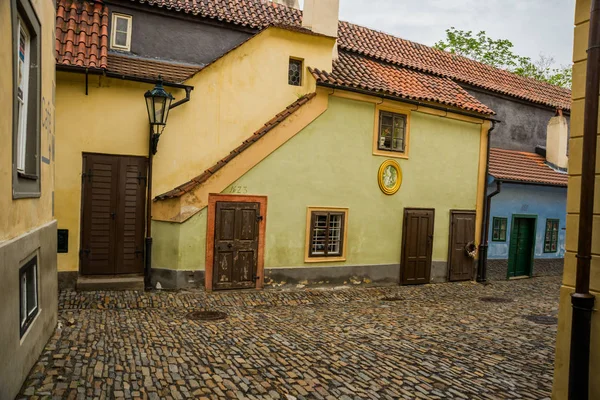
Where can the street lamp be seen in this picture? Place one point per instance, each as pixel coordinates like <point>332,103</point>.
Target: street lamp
<point>158,103</point>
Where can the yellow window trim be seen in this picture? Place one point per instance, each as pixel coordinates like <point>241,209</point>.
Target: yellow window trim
<point>113,31</point>
<point>397,110</point>
<point>309,211</point>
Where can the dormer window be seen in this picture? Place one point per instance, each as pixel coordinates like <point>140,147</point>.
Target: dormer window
<point>121,32</point>
<point>295,72</point>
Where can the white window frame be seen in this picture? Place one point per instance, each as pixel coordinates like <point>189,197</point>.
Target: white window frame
<point>28,312</point>
<point>113,35</point>
<point>23,85</point>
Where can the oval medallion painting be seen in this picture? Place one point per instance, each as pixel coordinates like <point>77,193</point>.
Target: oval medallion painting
<point>389,177</point>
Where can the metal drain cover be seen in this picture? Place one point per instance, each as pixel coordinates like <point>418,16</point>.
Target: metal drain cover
<point>392,298</point>
<point>206,315</point>
<point>542,319</point>
<point>496,300</point>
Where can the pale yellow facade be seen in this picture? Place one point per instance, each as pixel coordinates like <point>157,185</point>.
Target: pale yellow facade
<point>232,98</point>
<point>561,373</point>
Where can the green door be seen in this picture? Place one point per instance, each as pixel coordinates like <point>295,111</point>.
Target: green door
<point>521,246</point>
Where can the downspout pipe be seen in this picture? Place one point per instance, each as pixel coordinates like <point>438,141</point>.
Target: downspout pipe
<point>483,241</point>
<point>582,300</point>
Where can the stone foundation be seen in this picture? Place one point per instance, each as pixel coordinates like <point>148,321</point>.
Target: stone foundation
<point>498,269</point>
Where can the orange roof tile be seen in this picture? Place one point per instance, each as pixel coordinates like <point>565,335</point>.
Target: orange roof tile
<point>354,71</point>
<point>200,179</point>
<point>519,166</point>
<point>81,33</point>
<point>144,68</point>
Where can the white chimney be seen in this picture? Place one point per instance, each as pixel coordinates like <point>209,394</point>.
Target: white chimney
<point>322,16</point>
<point>557,137</point>
<point>288,3</point>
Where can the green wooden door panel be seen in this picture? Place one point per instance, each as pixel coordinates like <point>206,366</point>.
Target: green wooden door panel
<point>522,243</point>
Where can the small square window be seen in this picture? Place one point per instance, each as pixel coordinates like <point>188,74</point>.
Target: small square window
<point>326,234</point>
<point>392,132</point>
<point>121,32</point>
<point>295,72</point>
<point>551,236</point>
<point>499,229</point>
<point>28,294</point>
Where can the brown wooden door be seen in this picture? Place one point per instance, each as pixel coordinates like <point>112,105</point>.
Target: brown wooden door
<point>236,245</point>
<point>417,246</point>
<point>113,209</point>
<point>462,233</point>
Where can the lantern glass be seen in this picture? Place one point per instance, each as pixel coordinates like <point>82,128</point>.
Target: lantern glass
<point>158,102</point>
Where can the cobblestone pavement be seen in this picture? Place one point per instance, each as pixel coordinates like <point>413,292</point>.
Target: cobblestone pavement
<point>435,341</point>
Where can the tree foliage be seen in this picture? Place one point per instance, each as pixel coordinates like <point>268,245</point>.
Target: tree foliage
<point>499,53</point>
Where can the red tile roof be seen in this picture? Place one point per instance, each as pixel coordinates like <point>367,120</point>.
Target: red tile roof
<point>81,33</point>
<point>144,68</point>
<point>200,179</point>
<point>354,71</point>
<point>519,166</point>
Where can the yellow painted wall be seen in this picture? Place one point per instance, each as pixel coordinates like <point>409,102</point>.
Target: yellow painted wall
<point>22,215</point>
<point>561,372</point>
<point>232,99</point>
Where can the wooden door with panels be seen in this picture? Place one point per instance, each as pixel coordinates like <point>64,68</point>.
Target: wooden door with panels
<point>113,214</point>
<point>462,234</point>
<point>417,246</point>
<point>522,246</point>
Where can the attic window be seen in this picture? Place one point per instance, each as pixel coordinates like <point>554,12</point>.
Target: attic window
<point>295,72</point>
<point>121,32</point>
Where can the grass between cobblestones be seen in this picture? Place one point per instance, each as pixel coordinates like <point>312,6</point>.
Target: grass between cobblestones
<point>439,341</point>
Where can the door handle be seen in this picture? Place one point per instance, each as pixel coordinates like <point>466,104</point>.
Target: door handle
<point>113,215</point>
<point>229,245</point>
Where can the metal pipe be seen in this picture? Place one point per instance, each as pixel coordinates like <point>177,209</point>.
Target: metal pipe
<point>483,240</point>
<point>409,101</point>
<point>148,260</point>
<point>582,300</point>
<point>482,272</point>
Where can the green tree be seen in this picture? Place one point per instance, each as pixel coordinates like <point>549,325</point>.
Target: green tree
<point>499,53</point>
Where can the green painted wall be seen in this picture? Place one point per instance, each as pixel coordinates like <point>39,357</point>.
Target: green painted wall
<point>330,164</point>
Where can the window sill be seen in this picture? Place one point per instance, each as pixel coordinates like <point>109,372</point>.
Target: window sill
<point>30,177</point>
<point>324,259</point>
<point>392,154</point>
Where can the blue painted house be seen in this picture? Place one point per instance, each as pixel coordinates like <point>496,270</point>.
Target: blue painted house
<point>528,207</point>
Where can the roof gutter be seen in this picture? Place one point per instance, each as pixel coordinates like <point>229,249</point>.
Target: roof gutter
<point>409,101</point>
<point>101,71</point>
<point>582,300</point>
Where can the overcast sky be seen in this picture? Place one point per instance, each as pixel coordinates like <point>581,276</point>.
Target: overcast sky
<point>534,26</point>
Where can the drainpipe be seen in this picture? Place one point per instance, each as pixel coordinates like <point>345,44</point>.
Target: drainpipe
<point>582,300</point>
<point>483,241</point>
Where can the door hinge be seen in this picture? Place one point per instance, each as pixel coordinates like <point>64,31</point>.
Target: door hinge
<point>255,277</point>
<point>88,175</point>
<point>259,218</point>
<point>140,177</point>
<point>84,251</point>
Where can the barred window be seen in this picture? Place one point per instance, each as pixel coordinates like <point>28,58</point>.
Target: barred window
<point>551,236</point>
<point>295,72</point>
<point>326,233</point>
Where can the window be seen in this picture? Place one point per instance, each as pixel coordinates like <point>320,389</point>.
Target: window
<point>551,236</point>
<point>295,72</point>
<point>121,32</point>
<point>326,234</point>
<point>26,101</point>
<point>392,132</point>
<point>499,229</point>
<point>28,294</point>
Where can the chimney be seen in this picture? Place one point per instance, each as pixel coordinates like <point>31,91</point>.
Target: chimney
<point>322,16</point>
<point>557,138</point>
<point>288,3</point>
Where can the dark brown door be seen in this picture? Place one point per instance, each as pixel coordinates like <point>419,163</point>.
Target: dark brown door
<point>113,208</point>
<point>462,233</point>
<point>236,245</point>
<point>417,246</point>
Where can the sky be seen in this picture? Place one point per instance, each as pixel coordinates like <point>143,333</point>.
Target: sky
<point>534,26</point>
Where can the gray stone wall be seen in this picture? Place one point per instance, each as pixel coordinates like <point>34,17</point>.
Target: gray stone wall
<point>18,354</point>
<point>498,269</point>
<point>164,37</point>
<point>523,124</point>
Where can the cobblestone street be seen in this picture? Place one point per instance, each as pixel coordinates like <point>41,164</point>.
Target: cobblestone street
<point>434,341</point>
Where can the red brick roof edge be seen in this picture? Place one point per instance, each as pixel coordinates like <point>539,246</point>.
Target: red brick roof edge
<point>524,167</point>
<point>200,179</point>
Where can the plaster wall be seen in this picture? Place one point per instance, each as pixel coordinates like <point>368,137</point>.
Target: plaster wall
<point>541,201</point>
<point>232,99</point>
<point>523,125</point>
<point>561,364</point>
<point>155,34</point>
<point>330,164</point>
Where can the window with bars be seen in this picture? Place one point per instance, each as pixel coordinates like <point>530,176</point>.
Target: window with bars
<point>327,233</point>
<point>551,236</point>
<point>121,32</point>
<point>28,294</point>
<point>295,72</point>
<point>392,132</point>
<point>26,101</point>
<point>499,229</point>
